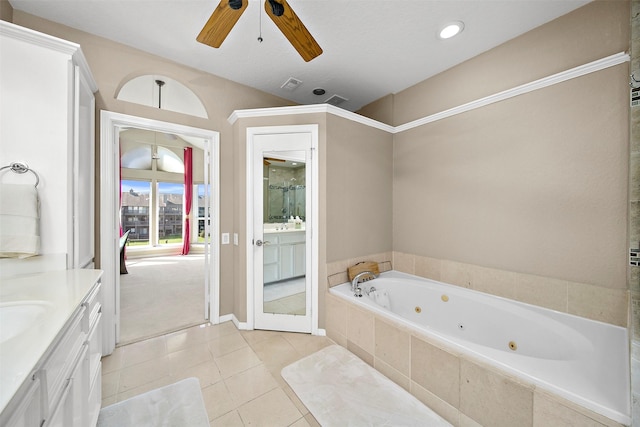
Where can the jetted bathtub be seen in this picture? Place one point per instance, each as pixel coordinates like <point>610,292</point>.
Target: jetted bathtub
<point>582,360</point>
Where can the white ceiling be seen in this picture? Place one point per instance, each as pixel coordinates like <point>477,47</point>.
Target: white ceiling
<point>371,47</point>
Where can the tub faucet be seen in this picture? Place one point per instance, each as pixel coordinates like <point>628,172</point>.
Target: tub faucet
<point>354,283</point>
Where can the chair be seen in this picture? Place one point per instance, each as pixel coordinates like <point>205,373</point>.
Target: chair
<point>123,243</point>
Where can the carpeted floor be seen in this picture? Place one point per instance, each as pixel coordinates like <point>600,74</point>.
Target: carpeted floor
<point>160,295</point>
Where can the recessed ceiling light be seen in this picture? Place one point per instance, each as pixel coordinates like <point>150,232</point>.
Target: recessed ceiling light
<point>319,91</point>
<point>451,29</point>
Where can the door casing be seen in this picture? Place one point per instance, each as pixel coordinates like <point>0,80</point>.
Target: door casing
<point>110,125</point>
<point>312,270</point>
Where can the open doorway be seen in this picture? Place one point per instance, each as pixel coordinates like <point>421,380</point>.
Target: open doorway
<point>203,213</point>
<point>161,286</point>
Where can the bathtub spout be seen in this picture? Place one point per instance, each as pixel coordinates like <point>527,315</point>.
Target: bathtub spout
<point>354,283</point>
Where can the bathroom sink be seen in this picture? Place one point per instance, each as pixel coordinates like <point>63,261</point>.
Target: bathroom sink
<point>16,317</point>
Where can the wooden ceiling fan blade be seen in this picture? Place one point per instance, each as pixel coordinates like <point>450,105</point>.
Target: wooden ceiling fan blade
<point>274,159</point>
<point>222,20</point>
<point>293,29</point>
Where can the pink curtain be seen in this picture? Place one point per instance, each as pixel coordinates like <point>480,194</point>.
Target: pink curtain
<point>188,195</point>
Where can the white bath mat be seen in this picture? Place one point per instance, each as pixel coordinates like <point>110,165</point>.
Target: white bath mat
<point>339,389</point>
<point>176,405</point>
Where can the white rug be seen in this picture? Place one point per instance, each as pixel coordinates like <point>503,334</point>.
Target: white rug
<point>339,389</point>
<point>176,405</point>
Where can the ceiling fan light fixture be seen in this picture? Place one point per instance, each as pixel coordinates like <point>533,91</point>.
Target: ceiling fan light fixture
<point>450,30</point>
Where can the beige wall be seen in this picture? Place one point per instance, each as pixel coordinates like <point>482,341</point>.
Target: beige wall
<point>6,11</point>
<point>355,174</point>
<point>113,64</point>
<point>359,189</point>
<point>240,206</point>
<point>536,185</point>
<point>592,32</point>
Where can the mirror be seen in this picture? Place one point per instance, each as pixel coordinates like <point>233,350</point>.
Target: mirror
<point>284,261</point>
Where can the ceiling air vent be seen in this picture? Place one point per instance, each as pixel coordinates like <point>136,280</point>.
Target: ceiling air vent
<point>291,84</point>
<point>336,100</point>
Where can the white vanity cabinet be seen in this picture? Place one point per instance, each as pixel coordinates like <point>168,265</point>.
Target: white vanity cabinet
<point>284,255</point>
<point>63,386</point>
<point>48,122</point>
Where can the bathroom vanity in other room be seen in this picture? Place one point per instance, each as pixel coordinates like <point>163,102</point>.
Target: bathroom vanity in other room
<point>284,254</point>
<point>50,349</point>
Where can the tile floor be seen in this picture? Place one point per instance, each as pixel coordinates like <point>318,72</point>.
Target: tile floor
<point>239,372</point>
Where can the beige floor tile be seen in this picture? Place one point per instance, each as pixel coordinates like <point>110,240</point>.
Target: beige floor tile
<point>272,409</point>
<point>237,361</point>
<point>226,344</point>
<point>189,357</point>
<point>256,336</point>
<point>306,344</point>
<point>217,400</point>
<point>250,384</point>
<point>207,373</point>
<point>109,401</point>
<point>311,420</point>
<point>143,373</point>
<point>293,396</point>
<point>114,361</point>
<point>110,382</point>
<point>160,382</point>
<point>276,352</point>
<point>187,338</point>
<point>302,422</point>
<point>230,419</point>
<point>143,351</point>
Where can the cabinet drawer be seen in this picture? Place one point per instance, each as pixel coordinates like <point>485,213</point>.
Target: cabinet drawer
<point>295,237</point>
<point>95,398</point>
<point>93,306</point>
<point>95,346</point>
<point>59,364</point>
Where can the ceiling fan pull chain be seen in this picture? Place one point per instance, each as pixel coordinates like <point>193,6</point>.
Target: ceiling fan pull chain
<point>260,25</point>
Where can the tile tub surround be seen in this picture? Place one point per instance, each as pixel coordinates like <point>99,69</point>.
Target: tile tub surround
<point>461,389</point>
<point>585,300</point>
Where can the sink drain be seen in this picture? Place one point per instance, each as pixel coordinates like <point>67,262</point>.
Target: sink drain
<point>513,346</point>
<point>418,310</point>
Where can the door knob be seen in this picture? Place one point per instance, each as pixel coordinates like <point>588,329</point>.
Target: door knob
<point>260,242</point>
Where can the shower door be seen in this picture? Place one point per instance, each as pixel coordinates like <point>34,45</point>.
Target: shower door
<point>281,237</point>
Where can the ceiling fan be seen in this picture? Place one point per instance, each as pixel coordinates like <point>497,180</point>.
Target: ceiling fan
<point>228,12</point>
<point>266,161</point>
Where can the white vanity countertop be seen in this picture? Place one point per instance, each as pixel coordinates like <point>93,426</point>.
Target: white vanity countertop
<point>289,230</point>
<point>64,290</point>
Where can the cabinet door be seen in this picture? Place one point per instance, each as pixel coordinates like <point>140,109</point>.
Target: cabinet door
<point>286,261</point>
<point>299,262</point>
<point>71,410</point>
<point>28,413</point>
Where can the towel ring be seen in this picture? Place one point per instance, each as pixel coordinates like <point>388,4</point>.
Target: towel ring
<point>18,167</point>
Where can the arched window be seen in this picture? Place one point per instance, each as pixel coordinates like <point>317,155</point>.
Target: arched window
<point>162,92</point>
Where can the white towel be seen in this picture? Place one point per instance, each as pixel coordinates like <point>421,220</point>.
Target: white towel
<point>382,298</point>
<point>19,221</point>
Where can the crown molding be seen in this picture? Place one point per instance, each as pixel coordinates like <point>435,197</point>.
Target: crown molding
<point>544,82</point>
<point>56,44</point>
<point>309,109</point>
<point>563,76</point>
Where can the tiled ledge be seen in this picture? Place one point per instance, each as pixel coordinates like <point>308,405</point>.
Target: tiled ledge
<point>580,299</point>
<point>461,389</point>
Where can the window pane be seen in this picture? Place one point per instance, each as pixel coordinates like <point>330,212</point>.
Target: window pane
<point>170,212</point>
<point>134,211</point>
<point>199,198</point>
